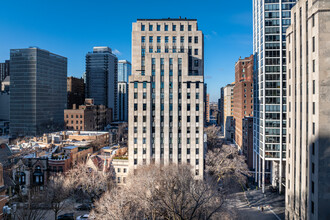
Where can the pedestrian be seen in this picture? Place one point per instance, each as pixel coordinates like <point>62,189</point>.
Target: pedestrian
<point>262,208</point>
<point>258,207</point>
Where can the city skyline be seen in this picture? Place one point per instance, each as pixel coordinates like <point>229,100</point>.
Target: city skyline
<point>227,37</point>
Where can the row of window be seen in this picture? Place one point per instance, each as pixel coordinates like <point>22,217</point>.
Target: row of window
<point>77,116</point>
<point>167,50</point>
<point>188,85</point>
<point>166,39</point>
<point>72,122</point>
<point>165,27</point>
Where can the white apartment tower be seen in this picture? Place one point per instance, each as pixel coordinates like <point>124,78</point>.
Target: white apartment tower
<point>270,20</point>
<point>166,94</point>
<point>308,112</point>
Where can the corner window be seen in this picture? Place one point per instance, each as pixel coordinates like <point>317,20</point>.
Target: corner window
<point>143,27</point>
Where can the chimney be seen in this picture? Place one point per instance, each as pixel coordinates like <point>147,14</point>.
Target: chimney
<point>74,106</point>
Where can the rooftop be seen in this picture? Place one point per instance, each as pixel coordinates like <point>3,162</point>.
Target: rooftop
<point>167,19</point>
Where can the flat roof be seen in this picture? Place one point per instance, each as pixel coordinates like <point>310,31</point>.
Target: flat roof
<point>70,147</point>
<point>167,19</point>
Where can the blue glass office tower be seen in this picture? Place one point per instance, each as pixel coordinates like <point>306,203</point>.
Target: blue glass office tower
<point>124,71</point>
<point>101,77</point>
<point>270,20</point>
<point>38,97</point>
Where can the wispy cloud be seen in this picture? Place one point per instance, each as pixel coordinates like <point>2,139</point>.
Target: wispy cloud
<point>117,52</point>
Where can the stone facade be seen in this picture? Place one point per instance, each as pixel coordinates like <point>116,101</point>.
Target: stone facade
<point>228,107</point>
<point>308,52</point>
<point>166,90</point>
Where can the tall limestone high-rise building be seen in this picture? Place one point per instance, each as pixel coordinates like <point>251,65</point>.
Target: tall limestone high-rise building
<point>270,20</point>
<point>38,94</point>
<point>308,122</point>
<point>166,94</point>
<point>101,78</point>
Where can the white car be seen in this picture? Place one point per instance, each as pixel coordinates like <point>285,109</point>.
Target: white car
<point>83,217</point>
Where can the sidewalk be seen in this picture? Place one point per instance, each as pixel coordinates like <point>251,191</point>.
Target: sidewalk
<point>272,202</point>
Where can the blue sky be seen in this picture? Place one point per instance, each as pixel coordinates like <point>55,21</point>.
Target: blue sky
<point>71,28</point>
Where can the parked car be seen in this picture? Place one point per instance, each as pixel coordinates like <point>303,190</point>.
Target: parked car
<point>66,216</point>
<point>84,207</point>
<point>83,217</point>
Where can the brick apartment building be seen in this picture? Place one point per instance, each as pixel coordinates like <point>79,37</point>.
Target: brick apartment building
<point>88,117</point>
<point>76,91</point>
<point>247,144</point>
<point>243,96</point>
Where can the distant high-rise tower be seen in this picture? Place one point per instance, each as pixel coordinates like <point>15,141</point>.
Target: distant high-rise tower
<point>76,91</point>
<point>124,71</point>
<point>38,94</point>
<point>101,77</point>
<point>4,70</point>
<point>270,20</point>
<point>166,90</point>
<point>308,106</point>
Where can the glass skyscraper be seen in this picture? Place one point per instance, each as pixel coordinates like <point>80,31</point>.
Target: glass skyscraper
<point>270,21</point>
<point>124,70</point>
<point>101,77</point>
<point>38,94</point>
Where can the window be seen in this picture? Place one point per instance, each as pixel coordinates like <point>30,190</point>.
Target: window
<point>313,167</point>
<point>118,170</point>
<point>314,128</point>
<point>143,27</point>
<point>197,95</point>
<point>135,107</point>
<point>135,161</point>
<point>313,44</point>
<point>135,95</point>
<point>144,107</point>
<point>151,49</point>
<point>151,39</point>
<point>188,107</point>
<point>188,140</point>
<point>135,142</point>
<point>313,86</point>
<point>195,63</point>
<point>143,39</point>
<point>313,149</point>
<point>189,39</point>
<point>188,85</point>
<point>188,150</point>
<point>313,108</point>
<point>174,39</point>
<point>144,140</point>
<point>135,85</point>
<point>166,27</point>
<point>174,49</point>
<point>188,95</point>
<point>188,118</point>
<point>135,118</point>
<point>158,27</point>
<point>158,39</point>
<point>144,118</point>
<point>166,39</point>
<point>197,161</point>
<point>197,150</point>
<point>312,186</point>
<point>150,27</point>
<point>189,27</point>
<point>158,49</point>
<point>313,66</point>
<point>181,28</point>
<point>173,27</point>
<point>144,85</point>
<point>135,130</point>
<point>124,171</point>
<point>196,40</point>
<point>144,95</point>
<point>182,39</point>
<point>197,107</point>
<point>312,205</point>
<point>196,51</point>
<point>197,118</point>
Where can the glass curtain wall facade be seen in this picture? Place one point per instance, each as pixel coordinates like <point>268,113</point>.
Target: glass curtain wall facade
<point>38,91</point>
<point>101,77</point>
<point>270,21</point>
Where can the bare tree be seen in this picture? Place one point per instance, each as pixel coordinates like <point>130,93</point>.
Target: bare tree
<point>213,139</point>
<point>91,183</point>
<point>31,207</point>
<point>57,193</point>
<point>227,165</point>
<point>170,192</point>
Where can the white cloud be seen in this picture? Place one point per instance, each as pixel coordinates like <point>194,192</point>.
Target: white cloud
<point>117,52</point>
